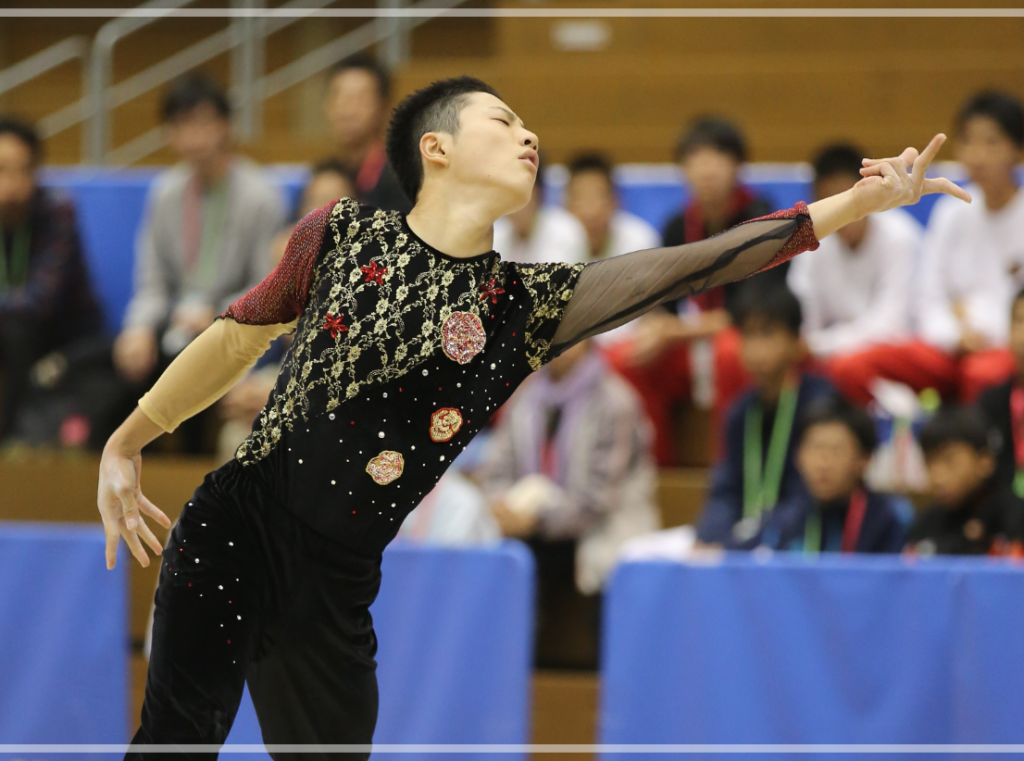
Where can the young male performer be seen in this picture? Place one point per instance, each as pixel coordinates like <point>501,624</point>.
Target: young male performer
<point>409,332</point>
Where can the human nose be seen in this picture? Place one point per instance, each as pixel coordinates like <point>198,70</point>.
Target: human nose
<point>530,140</point>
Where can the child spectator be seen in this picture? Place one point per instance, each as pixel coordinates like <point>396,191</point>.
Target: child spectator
<point>540,232</point>
<point>838,513</point>
<point>46,301</point>
<point>973,263</point>
<point>1003,405</point>
<point>569,470</point>
<point>688,352</point>
<point>356,105</point>
<point>758,469</point>
<point>855,291</point>
<point>970,514</point>
<point>591,197</point>
<point>206,237</point>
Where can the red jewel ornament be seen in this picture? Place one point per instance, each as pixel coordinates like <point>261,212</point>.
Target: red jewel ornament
<point>462,336</point>
<point>374,274</point>
<point>334,325</point>
<point>491,289</point>
<point>444,424</point>
<point>386,467</point>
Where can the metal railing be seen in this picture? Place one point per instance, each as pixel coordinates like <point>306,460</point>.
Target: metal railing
<point>245,38</point>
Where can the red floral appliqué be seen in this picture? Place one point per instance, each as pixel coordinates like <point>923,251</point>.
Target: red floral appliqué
<point>386,467</point>
<point>462,336</point>
<point>334,325</point>
<point>374,274</point>
<point>444,424</point>
<point>492,289</point>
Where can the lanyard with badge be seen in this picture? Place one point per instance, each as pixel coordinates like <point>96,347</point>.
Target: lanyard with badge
<point>1017,426</point>
<point>851,527</point>
<point>763,479</point>
<point>15,271</point>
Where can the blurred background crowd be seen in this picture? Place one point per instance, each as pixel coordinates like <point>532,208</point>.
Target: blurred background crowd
<point>866,398</point>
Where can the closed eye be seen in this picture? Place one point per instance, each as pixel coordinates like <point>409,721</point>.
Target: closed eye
<point>507,124</point>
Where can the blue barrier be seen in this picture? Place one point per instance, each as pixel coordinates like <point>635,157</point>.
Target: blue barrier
<point>111,205</point>
<point>455,633</point>
<point>838,650</point>
<point>63,637</point>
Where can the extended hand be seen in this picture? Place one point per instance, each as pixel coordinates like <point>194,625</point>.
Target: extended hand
<point>121,502</point>
<point>900,181</point>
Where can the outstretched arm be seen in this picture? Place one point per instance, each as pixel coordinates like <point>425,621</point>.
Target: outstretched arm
<point>614,291</point>
<point>198,377</point>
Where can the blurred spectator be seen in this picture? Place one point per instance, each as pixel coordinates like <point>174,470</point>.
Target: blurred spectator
<point>689,353</point>
<point>205,240</point>
<point>569,470</point>
<point>855,291</point>
<point>328,181</point>
<point>46,302</point>
<point>540,232</point>
<point>1003,406</point>
<point>838,513</point>
<point>591,197</point>
<point>973,257</point>
<point>970,514</point>
<point>758,470</point>
<point>357,104</point>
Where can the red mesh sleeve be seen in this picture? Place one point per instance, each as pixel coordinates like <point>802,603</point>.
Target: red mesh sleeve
<point>282,295</point>
<point>801,240</point>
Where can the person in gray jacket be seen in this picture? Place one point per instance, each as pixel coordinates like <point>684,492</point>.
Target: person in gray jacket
<point>206,236</point>
<point>569,469</point>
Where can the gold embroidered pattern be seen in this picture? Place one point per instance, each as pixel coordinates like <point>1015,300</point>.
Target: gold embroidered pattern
<point>444,424</point>
<point>393,318</point>
<point>549,296</point>
<point>386,467</point>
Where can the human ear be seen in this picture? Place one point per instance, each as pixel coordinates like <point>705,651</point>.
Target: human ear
<point>434,149</point>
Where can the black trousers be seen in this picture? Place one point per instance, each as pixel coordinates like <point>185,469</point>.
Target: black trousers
<point>248,593</point>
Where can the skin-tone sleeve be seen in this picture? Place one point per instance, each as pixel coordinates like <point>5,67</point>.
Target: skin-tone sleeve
<point>207,369</point>
<point>217,359</point>
<point>614,291</point>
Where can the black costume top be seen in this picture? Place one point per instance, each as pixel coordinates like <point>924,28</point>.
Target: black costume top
<point>402,353</point>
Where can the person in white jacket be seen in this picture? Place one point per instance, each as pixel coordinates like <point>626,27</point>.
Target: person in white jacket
<point>972,264</point>
<point>856,292</point>
<point>570,471</point>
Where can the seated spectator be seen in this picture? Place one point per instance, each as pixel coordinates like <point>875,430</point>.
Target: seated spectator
<point>758,470</point>
<point>855,291</point>
<point>591,197</point>
<point>540,232</point>
<point>569,471</point>
<point>688,353</point>
<point>46,302</point>
<point>973,263</point>
<point>1003,406</point>
<point>837,513</point>
<point>357,107</point>
<point>205,240</point>
<point>329,180</point>
<point>970,514</point>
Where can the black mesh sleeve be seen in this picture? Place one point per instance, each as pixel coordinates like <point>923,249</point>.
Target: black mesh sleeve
<point>614,291</point>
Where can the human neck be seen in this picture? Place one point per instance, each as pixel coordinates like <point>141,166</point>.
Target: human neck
<point>716,213</point>
<point>212,173</point>
<point>999,195</point>
<point>354,152</point>
<point>770,391</point>
<point>13,216</point>
<point>459,225</point>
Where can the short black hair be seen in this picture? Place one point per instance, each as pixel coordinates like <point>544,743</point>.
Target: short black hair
<point>592,162</point>
<point>835,409</point>
<point>434,108</point>
<point>369,64</point>
<point>838,158</point>
<point>957,425</point>
<point>712,132</point>
<point>190,91</point>
<point>333,166</point>
<point>26,133</point>
<point>1002,108</point>
<point>772,302</point>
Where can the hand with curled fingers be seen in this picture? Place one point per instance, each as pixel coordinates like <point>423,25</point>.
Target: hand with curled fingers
<point>120,500</point>
<point>901,181</point>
